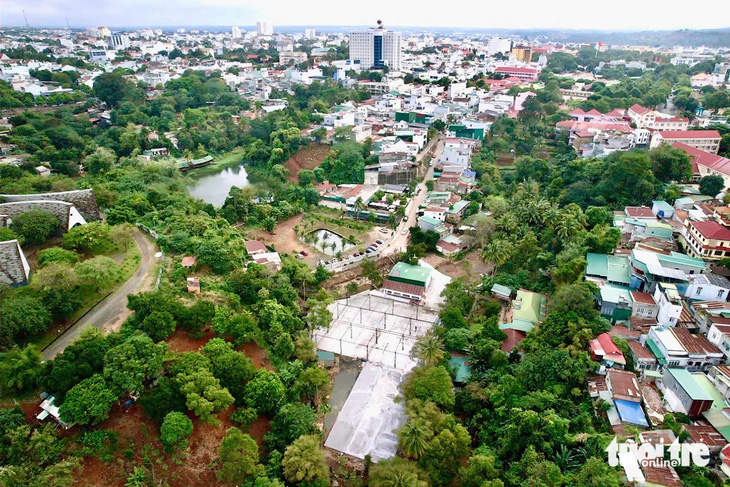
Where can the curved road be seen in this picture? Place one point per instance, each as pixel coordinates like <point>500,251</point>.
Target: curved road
<point>109,314</point>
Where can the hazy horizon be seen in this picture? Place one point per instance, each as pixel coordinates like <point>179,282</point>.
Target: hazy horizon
<point>532,15</point>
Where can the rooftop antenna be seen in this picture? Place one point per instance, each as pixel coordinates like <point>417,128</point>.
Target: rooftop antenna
<point>27,25</point>
<point>380,24</point>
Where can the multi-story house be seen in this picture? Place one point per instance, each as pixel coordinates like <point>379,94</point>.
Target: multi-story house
<point>706,140</point>
<point>677,347</point>
<point>707,240</point>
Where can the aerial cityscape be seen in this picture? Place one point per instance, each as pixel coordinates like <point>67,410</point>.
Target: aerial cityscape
<point>307,246</point>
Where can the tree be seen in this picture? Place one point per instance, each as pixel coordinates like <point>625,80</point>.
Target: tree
<point>100,161</point>
<point>110,88</point>
<point>239,456</point>
<point>163,399</point>
<point>99,272</point>
<point>19,368</point>
<point>304,462</point>
<point>158,325</point>
<point>371,272</point>
<point>57,254</point>
<point>430,383</point>
<point>712,185</point>
<point>428,349</point>
<point>670,164</point>
<point>234,370</point>
<point>596,473</point>
<point>292,421</point>
<point>35,226</point>
<point>265,392</point>
<point>79,361</point>
<point>397,472</point>
<point>57,276</point>
<point>204,394</point>
<point>128,365</point>
<point>85,237</point>
<point>22,315</point>
<point>413,437</point>
<point>88,402</point>
<point>122,234</point>
<point>176,427</point>
<point>312,384</point>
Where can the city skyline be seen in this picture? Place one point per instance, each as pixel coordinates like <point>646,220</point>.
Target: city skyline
<point>532,15</point>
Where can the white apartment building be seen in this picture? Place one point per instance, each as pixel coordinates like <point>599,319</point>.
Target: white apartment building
<point>499,45</point>
<point>236,32</point>
<point>264,29</point>
<point>118,42</point>
<point>310,34</point>
<point>377,48</point>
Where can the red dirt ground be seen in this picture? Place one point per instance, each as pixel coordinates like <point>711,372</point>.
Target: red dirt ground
<point>307,157</point>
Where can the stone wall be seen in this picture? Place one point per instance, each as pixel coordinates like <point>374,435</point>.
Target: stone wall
<point>83,199</point>
<point>12,270</point>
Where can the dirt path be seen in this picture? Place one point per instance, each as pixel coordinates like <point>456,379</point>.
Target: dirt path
<point>111,313</point>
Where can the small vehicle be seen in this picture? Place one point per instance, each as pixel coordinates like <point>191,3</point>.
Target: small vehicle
<point>404,232</point>
<point>379,242</point>
<point>369,250</point>
<point>383,230</point>
<point>405,218</point>
<point>304,253</point>
<point>299,256</point>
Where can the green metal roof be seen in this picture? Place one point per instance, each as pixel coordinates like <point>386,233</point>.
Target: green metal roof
<point>718,420</point>
<point>411,274</point>
<point>689,384</point>
<point>681,259</point>
<point>463,371</point>
<point>611,294</point>
<point>518,324</point>
<point>709,388</point>
<point>430,220</point>
<point>654,349</point>
<point>597,264</point>
<point>501,290</point>
<point>618,269</point>
<point>664,206</point>
<point>529,306</point>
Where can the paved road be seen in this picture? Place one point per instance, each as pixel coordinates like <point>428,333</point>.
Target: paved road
<point>400,241</point>
<point>109,315</point>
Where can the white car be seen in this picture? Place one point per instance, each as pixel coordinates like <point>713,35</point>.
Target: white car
<point>404,232</point>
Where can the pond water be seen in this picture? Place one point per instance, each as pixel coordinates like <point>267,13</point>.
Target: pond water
<point>327,242</point>
<point>214,188</point>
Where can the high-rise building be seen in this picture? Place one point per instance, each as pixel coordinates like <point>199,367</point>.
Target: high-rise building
<point>377,48</point>
<point>499,45</point>
<point>236,32</point>
<point>118,42</point>
<point>264,29</point>
<point>309,33</point>
<point>522,53</point>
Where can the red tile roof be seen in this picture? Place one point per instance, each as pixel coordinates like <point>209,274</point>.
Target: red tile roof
<point>254,247</point>
<point>636,108</point>
<point>712,230</point>
<point>402,287</point>
<point>694,344</point>
<point>689,134</point>
<point>505,69</point>
<point>639,212</point>
<point>514,337</point>
<point>640,297</point>
<point>640,350</point>
<point>704,158</point>
<point>624,385</point>
<point>603,347</point>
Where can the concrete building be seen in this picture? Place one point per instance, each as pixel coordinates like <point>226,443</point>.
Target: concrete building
<point>297,56</point>
<point>522,53</point>
<point>377,48</point>
<point>499,45</point>
<point>408,281</point>
<point>236,32</point>
<point>118,42</point>
<point>309,34</point>
<point>706,140</point>
<point>264,29</point>
<point>684,394</point>
<point>707,240</point>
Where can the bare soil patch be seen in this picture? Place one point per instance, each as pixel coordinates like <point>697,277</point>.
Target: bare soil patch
<point>307,157</point>
<point>470,266</point>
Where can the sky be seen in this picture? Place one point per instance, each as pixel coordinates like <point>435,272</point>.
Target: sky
<point>618,15</point>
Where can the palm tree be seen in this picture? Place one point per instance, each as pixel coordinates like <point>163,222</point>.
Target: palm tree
<point>498,251</point>
<point>397,472</point>
<point>414,438</point>
<point>19,368</point>
<point>428,348</point>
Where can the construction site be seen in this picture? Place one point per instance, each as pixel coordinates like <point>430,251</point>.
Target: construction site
<point>381,332</point>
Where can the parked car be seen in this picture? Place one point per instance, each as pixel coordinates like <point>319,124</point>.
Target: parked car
<point>379,242</point>
<point>304,253</point>
<point>405,218</point>
<point>383,230</point>
<point>299,256</point>
<point>404,232</point>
